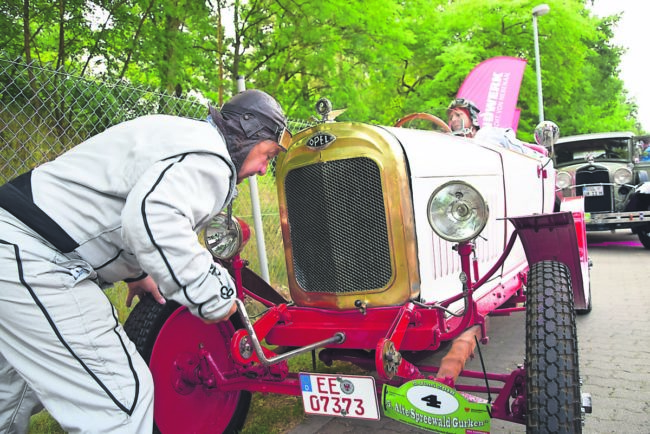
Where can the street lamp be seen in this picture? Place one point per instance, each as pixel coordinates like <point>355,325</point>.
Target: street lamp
<point>538,11</point>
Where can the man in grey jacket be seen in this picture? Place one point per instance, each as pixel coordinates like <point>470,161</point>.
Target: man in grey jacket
<point>125,205</point>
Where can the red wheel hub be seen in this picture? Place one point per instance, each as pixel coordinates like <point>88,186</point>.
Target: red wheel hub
<point>184,383</point>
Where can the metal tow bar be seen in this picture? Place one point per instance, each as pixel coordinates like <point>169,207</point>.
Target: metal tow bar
<point>338,338</point>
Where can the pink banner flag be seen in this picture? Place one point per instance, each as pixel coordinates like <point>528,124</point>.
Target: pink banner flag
<point>493,85</point>
<point>515,119</point>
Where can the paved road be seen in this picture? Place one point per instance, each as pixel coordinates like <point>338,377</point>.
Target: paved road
<point>614,345</point>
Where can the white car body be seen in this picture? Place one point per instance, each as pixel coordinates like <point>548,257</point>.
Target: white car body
<point>498,174</point>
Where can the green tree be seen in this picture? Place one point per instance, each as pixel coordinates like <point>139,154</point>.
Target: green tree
<point>381,59</point>
<point>343,50</point>
<point>579,64</point>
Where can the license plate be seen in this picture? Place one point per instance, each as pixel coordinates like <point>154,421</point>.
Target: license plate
<point>339,395</point>
<point>593,190</point>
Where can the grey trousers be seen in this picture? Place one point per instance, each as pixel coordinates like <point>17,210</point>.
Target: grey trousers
<point>61,345</point>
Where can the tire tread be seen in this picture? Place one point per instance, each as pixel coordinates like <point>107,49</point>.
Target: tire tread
<point>552,367</point>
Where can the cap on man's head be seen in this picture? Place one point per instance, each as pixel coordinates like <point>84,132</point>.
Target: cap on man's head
<point>260,116</point>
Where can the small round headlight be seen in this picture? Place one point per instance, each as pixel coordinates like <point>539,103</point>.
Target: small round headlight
<point>457,211</point>
<point>225,237</point>
<point>563,180</point>
<point>623,176</point>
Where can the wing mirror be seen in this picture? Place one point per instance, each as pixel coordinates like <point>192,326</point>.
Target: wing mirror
<point>547,134</point>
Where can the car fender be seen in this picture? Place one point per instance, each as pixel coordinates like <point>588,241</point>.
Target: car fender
<point>643,188</point>
<point>541,235</point>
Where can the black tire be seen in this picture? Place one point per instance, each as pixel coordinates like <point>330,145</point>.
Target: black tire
<point>552,369</point>
<point>143,326</point>
<point>644,236</point>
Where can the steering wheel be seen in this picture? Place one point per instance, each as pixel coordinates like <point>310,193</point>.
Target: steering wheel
<point>442,125</point>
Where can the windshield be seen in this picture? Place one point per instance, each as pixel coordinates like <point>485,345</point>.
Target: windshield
<point>598,149</point>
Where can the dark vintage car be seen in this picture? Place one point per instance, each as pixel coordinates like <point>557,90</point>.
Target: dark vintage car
<point>610,170</point>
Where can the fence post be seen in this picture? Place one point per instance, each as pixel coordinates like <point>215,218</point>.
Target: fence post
<point>257,214</point>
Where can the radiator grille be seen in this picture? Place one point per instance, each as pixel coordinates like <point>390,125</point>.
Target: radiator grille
<point>337,224</point>
<point>595,175</point>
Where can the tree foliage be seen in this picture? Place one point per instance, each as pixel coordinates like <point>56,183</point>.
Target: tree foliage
<point>381,59</point>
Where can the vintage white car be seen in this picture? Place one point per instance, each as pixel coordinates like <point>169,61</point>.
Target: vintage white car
<point>396,240</point>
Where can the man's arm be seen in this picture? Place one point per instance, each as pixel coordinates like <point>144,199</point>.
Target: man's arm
<point>171,200</point>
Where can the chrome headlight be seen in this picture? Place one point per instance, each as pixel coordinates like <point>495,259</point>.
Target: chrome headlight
<point>225,237</point>
<point>563,180</point>
<point>457,211</point>
<point>623,176</point>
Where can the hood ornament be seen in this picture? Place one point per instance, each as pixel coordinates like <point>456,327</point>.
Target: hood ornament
<point>324,109</point>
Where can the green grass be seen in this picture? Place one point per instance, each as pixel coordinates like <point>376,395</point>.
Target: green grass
<point>270,225</point>
<point>43,423</point>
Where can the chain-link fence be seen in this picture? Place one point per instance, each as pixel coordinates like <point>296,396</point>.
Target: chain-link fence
<point>43,113</point>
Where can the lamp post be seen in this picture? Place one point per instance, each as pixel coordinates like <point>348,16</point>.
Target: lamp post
<point>537,12</point>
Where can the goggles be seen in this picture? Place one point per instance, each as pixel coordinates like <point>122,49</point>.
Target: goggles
<point>460,102</point>
<point>284,138</point>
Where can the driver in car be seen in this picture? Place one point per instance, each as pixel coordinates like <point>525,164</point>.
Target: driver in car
<point>124,205</point>
<point>462,117</point>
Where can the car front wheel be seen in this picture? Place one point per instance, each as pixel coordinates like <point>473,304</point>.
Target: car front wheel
<point>552,369</point>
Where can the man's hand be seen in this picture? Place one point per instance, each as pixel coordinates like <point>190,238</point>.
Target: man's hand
<point>141,288</point>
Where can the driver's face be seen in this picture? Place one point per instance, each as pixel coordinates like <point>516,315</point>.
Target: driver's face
<point>258,159</point>
<point>458,119</point>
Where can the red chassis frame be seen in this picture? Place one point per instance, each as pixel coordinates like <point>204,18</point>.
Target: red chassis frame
<point>391,331</point>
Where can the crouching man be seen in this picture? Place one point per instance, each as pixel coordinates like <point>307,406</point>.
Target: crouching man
<point>124,205</point>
